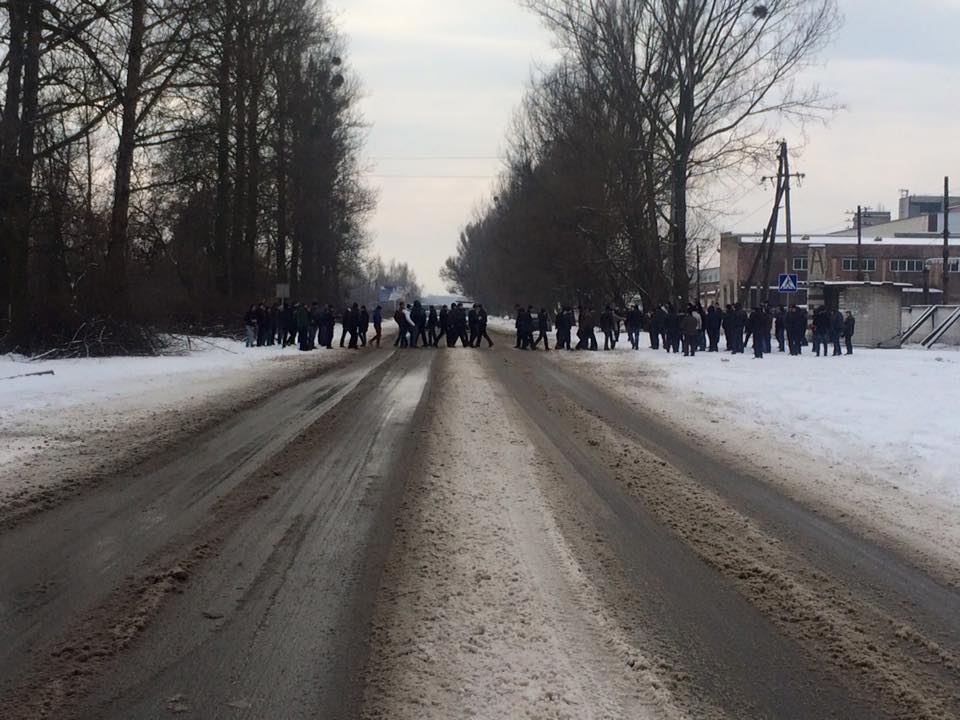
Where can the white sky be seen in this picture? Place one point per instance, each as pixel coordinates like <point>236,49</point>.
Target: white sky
<point>442,78</point>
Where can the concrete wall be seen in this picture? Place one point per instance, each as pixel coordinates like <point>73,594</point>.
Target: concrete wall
<point>909,314</point>
<point>877,311</point>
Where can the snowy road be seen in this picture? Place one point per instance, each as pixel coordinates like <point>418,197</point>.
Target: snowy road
<point>454,534</point>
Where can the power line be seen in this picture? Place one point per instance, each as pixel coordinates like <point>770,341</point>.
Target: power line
<point>440,158</point>
<point>381,176</point>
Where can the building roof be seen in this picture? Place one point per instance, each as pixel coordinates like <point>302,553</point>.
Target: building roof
<point>868,241</point>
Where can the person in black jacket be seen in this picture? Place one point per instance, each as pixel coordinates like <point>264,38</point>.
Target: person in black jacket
<point>419,318</point>
<point>821,330</point>
<point>634,322</point>
<point>346,322</point>
<point>543,326</point>
<point>793,325</point>
<point>674,332</point>
<point>352,324</point>
<point>758,323</point>
<point>780,326</point>
<point>657,320</point>
<point>482,319</point>
<point>443,322</point>
<point>250,325</point>
<point>473,327</point>
<point>363,325</point>
<point>849,325</point>
<point>714,322</point>
<point>432,322</point>
<point>836,331</point>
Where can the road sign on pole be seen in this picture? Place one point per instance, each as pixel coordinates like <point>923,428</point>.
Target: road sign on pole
<point>789,283</point>
<point>283,291</point>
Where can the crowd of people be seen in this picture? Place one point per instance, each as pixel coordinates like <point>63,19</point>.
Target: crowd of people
<point>692,329</point>
<point>313,326</point>
<point>676,329</point>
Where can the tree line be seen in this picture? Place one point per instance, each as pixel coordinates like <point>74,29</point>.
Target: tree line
<point>650,102</point>
<point>170,161</point>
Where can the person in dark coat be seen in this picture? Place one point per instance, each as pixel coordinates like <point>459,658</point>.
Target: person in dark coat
<point>363,325</point>
<point>608,328</point>
<point>443,323</point>
<point>674,331</point>
<point>419,318</point>
<point>657,320</point>
<point>690,327</point>
<point>262,324</point>
<point>346,322</point>
<point>793,326</point>
<point>780,326</point>
<point>401,321</point>
<point>836,331</point>
<point>524,328</point>
<point>328,326</point>
<point>250,325</point>
<point>302,315</point>
<point>757,326</point>
<point>634,325</point>
<point>473,327</point>
<point>316,324</point>
<point>564,329</point>
<point>739,326</point>
<point>482,319</point>
<point>377,325</point>
<point>702,330</point>
<point>519,311</point>
<point>849,326</point>
<point>714,323</point>
<point>821,330</point>
<point>543,327</point>
<point>353,326</point>
<point>432,322</point>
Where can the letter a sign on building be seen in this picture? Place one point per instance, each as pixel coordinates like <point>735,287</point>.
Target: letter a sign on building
<point>788,283</point>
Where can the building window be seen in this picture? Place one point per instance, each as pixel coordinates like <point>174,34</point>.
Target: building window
<point>898,266</point>
<point>868,264</point>
<point>800,264</point>
<point>954,265</point>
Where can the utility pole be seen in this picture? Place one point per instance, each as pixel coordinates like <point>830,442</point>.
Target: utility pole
<point>946,241</point>
<point>859,243</point>
<point>788,260</point>
<point>698,272</point>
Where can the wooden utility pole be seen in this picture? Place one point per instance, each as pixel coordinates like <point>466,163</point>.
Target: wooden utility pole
<point>859,242</point>
<point>788,260</point>
<point>946,241</point>
<point>698,272</point>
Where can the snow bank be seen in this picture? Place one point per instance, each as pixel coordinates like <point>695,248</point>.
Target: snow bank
<point>95,415</point>
<point>86,380</point>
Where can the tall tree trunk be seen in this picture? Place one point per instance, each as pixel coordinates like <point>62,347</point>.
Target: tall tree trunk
<point>280,244</point>
<point>238,283</point>
<point>118,243</point>
<point>253,181</point>
<point>221,262</point>
<point>9,142</point>
<point>21,325</point>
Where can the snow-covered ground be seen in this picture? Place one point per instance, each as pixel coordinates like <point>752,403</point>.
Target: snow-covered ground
<point>93,413</point>
<point>874,435</point>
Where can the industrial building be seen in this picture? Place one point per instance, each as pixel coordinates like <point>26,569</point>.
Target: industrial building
<point>913,263</point>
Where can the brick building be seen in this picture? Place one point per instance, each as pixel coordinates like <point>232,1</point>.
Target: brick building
<point>914,262</point>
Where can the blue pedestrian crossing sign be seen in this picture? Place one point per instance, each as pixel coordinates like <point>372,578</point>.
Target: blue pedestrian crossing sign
<point>788,283</point>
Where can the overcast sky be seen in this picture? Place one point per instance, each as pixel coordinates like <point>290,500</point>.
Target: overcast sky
<point>442,79</point>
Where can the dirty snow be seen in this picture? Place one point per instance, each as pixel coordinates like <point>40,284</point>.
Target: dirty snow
<point>92,412</point>
<point>872,436</point>
<point>484,611</point>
